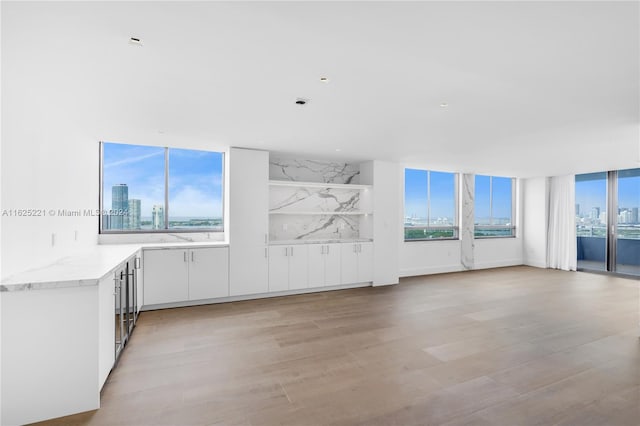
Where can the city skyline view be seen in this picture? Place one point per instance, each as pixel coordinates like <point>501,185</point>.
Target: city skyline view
<point>437,203</point>
<point>194,192</point>
<point>591,204</point>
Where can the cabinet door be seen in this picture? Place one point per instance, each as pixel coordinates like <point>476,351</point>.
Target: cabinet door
<point>349,263</point>
<point>316,265</point>
<point>251,275</point>
<point>278,268</point>
<point>165,276</point>
<point>208,273</point>
<point>365,262</point>
<point>332,264</point>
<point>298,267</point>
<point>140,282</point>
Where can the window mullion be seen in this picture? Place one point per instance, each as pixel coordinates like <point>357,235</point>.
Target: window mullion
<point>166,188</point>
<point>428,199</point>
<point>490,200</point>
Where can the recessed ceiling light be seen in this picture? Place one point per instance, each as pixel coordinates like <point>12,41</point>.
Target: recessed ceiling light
<point>324,79</point>
<point>135,41</point>
<point>301,101</point>
<point>338,150</point>
<point>444,105</point>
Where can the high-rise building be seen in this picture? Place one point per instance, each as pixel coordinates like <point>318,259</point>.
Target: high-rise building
<point>134,214</point>
<point>106,221</point>
<point>595,213</point>
<point>624,216</point>
<point>578,210</point>
<point>634,215</point>
<point>157,217</point>
<point>119,205</point>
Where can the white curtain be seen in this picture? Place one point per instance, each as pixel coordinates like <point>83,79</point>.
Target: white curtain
<point>561,231</point>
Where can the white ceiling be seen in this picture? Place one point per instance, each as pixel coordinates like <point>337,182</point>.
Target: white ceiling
<point>532,88</point>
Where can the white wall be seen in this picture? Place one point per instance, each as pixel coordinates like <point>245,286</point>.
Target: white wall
<point>50,151</point>
<point>535,221</point>
<point>53,116</point>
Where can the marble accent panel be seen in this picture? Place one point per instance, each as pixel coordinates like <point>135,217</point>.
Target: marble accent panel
<point>313,227</point>
<point>320,241</point>
<point>467,226</point>
<point>286,199</point>
<point>313,171</point>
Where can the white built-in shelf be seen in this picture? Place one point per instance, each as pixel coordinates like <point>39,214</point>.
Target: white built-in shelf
<point>317,184</point>
<point>321,213</point>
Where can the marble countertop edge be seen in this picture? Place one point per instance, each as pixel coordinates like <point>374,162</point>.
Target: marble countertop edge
<point>87,268</point>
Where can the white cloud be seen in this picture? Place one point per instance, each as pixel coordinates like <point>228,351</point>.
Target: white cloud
<point>129,160</point>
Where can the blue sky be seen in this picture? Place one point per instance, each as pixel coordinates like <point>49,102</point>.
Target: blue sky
<point>591,190</point>
<point>442,194</point>
<point>195,178</point>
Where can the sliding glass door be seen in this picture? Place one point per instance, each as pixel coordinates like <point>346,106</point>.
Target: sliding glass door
<point>627,249</point>
<point>607,223</point>
<point>591,221</point>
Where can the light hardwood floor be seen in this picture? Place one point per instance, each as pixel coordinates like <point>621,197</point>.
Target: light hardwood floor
<point>510,346</point>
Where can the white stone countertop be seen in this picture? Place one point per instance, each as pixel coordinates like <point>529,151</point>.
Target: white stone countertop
<point>87,268</point>
<point>319,241</point>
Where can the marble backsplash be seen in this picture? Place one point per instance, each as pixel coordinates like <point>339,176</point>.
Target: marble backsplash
<point>287,199</point>
<point>313,227</point>
<point>313,171</point>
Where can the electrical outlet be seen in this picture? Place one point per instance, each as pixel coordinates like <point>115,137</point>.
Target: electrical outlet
<point>75,235</point>
<point>285,226</point>
<point>53,239</point>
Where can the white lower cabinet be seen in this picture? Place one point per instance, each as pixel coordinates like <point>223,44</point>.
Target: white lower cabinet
<point>178,275</point>
<point>357,263</point>
<point>288,267</point>
<point>208,273</point>
<point>324,265</point>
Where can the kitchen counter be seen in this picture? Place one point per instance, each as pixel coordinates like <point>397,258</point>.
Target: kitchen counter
<point>86,269</point>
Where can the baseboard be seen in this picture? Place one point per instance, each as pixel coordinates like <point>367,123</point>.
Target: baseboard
<point>430,270</point>
<point>536,263</point>
<point>252,296</point>
<point>500,264</point>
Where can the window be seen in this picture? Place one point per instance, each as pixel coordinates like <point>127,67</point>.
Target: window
<point>494,207</point>
<point>430,206</point>
<point>155,189</point>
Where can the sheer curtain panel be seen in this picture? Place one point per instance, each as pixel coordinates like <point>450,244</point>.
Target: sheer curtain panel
<point>561,233</point>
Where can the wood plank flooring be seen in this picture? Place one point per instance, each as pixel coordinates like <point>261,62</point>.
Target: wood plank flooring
<point>509,346</point>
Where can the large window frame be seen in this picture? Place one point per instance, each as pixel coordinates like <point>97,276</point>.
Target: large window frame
<point>166,207</point>
<point>491,226</point>
<point>456,213</point>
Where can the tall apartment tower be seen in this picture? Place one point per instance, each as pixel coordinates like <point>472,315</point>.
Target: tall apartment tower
<point>157,217</point>
<point>134,214</point>
<point>119,205</point>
